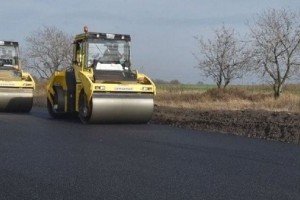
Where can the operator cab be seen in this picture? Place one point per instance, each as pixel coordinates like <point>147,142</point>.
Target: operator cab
<point>107,54</point>
<point>9,55</point>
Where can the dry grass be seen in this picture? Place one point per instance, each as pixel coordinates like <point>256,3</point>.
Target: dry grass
<point>230,99</point>
<point>40,95</point>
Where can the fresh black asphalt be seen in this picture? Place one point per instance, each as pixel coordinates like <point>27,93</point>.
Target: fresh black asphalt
<point>42,158</point>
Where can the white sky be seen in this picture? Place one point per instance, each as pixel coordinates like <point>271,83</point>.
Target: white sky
<point>162,30</point>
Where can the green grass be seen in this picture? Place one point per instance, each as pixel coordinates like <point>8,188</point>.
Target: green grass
<point>183,87</point>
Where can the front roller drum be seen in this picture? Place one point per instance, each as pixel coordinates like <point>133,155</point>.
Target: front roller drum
<point>56,108</point>
<point>16,99</point>
<point>116,108</point>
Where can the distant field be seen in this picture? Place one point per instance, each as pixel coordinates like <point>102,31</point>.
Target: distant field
<point>183,87</point>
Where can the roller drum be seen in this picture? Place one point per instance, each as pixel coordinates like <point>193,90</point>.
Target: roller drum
<point>16,99</point>
<point>121,108</point>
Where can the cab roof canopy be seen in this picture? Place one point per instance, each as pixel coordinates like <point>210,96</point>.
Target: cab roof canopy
<point>8,43</point>
<point>105,36</point>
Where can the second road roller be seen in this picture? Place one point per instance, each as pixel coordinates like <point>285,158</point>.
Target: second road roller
<point>16,86</point>
<point>101,86</point>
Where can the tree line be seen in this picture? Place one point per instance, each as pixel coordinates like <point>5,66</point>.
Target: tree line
<point>271,49</point>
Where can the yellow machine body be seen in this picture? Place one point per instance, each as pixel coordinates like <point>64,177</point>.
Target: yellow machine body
<point>16,86</point>
<point>101,90</point>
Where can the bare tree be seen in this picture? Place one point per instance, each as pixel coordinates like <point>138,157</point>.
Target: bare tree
<point>48,49</point>
<point>276,45</point>
<point>223,58</point>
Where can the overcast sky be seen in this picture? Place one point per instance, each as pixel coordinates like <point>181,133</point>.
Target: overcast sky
<point>162,30</point>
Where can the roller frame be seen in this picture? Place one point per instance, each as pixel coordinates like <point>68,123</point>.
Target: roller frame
<point>106,95</point>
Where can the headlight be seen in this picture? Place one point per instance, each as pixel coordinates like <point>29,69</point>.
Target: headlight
<point>147,88</point>
<point>99,87</point>
<point>27,84</point>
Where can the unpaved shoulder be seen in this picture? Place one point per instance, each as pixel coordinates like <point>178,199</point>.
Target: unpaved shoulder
<point>280,126</point>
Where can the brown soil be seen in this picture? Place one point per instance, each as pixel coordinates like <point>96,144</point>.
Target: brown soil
<point>280,126</point>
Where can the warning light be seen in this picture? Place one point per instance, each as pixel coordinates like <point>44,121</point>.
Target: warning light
<point>85,29</point>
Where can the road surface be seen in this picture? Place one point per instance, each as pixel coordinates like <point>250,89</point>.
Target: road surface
<point>42,158</point>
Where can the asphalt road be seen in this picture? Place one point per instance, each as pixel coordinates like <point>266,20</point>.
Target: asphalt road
<point>42,158</point>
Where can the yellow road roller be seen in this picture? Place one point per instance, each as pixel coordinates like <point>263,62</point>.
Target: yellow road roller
<point>101,86</point>
<point>16,86</point>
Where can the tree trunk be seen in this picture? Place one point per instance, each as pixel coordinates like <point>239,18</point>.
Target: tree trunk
<point>277,88</point>
<point>219,79</point>
<point>227,81</point>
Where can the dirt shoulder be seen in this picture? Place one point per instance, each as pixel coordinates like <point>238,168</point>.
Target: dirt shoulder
<point>279,126</point>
